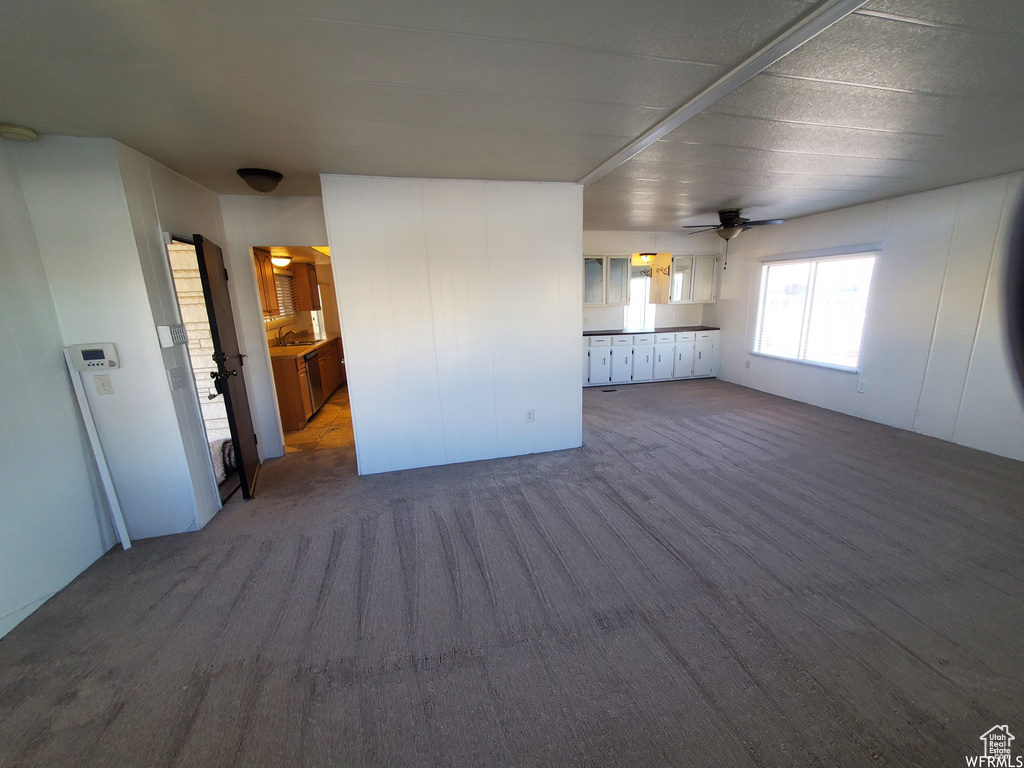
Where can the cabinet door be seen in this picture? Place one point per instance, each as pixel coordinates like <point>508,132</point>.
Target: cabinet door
<point>682,368</point>
<point>600,365</point>
<point>593,280</point>
<point>265,282</point>
<point>304,287</point>
<point>664,360</point>
<point>618,279</point>
<point>586,361</point>
<point>307,399</point>
<point>681,280</point>
<point>705,358</point>
<point>622,364</point>
<point>704,278</point>
<point>643,362</point>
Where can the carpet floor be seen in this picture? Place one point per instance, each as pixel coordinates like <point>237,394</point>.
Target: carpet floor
<point>718,577</point>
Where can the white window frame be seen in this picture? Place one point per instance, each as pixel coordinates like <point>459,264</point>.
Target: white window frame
<point>831,255</point>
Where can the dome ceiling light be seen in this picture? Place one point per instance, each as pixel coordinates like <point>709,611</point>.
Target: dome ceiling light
<point>260,179</point>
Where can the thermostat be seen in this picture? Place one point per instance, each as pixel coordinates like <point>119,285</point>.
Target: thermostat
<point>94,357</point>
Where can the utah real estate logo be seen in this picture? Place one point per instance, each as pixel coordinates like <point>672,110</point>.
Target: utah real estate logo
<point>997,741</point>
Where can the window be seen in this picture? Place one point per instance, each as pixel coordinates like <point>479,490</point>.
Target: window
<point>638,314</point>
<point>813,310</point>
<point>285,298</point>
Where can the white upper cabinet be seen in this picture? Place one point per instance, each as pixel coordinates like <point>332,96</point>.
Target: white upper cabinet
<point>606,280</point>
<point>704,278</point>
<point>681,280</point>
<point>691,279</point>
<point>593,280</point>
<point>618,280</point>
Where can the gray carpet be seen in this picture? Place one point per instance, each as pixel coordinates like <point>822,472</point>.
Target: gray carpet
<point>718,577</point>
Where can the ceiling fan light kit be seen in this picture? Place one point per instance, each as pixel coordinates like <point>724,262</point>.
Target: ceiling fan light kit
<point>730,224</point>
<point>260,179</point>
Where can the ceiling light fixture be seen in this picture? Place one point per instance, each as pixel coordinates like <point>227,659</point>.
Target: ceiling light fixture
<point>280,261</point>
<point>260,179</point>
<point>17,132</point>
<point>646,257</point>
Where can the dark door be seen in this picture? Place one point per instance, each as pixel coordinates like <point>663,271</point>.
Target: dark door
<point>230,377</point>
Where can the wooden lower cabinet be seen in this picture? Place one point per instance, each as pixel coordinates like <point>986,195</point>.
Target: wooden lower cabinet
<point>292,383</point>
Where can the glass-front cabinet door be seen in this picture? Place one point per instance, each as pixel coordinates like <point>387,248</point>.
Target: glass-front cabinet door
<point>704,278</point>
<point>681,280</point>
<point>593,280</point>
<point>618,279</point>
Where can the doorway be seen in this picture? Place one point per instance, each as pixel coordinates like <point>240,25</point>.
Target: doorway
<point>200,285</point>
<point>303,334</point>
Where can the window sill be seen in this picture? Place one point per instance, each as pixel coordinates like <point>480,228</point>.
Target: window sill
<point>815,364</point>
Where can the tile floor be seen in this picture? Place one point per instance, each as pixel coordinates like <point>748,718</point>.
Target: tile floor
<point>330,427</point>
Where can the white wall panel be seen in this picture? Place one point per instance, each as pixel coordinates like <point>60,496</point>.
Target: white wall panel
<point>902,308</point>
<point>80,215</point>
<point>160,200</point>
<point>459,307</point>
<point>263,220</point>
<point>969,264</point>
<point>54,524</point>
<point>933,357</point>
<point>992,410</point>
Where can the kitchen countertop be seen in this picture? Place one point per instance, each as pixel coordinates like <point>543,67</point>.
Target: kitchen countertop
<point>297,350</point>
<point>673,329</point>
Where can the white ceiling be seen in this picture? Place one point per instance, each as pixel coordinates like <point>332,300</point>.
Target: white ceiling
<point>901,96</point>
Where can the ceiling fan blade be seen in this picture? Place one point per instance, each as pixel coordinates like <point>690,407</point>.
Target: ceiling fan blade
<point>698,231</point>
<point>701,226</point>
<point>762,222</point>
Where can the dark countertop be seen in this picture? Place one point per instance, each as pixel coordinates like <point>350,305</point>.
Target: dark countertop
<point>675,329</point>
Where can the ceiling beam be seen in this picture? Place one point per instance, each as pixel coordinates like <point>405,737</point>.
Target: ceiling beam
<point>817,20</point>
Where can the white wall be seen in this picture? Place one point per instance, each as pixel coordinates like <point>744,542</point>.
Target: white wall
<point>460,310</point>
<point>933,356</point>
<point>263,220</point>
<point>53,523</point>
<point>79,212</point>
<point>160,200</point>
<point>618,243</point>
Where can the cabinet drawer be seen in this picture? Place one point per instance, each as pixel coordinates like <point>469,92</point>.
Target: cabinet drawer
<point>664,338</point>
<point>685,336</point>
<point>706,335</point>
<point>600,341</point>
<point>622,341</point>
<point>645,339</point>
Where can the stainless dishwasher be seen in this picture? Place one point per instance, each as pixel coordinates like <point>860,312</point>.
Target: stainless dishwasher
<point>316,386</point>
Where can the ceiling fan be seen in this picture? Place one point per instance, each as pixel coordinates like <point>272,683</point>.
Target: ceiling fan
<point>731,224</point>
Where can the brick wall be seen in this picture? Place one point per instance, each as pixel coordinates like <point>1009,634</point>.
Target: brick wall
<point>185,270</point>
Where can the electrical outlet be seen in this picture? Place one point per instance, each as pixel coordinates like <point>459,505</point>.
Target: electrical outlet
<point>529,416</point>
<point>862,386</point>
<point>746,363</point>
<point>586,321</point>
<point>103,385</point>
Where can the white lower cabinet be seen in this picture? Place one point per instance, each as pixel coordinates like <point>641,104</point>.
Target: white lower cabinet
<point>622,361</point>
<point>664,359</point>
<point>600,365</point>
<point>625,358</point>
<point>643,358</point>
<point>682,367</point>
<point>705,354</point>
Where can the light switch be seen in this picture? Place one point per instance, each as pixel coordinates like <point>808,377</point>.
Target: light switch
<point>103,385</point>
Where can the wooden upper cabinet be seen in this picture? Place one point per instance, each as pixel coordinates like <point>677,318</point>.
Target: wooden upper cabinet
<point>265,281</point>
<point>304,289</point>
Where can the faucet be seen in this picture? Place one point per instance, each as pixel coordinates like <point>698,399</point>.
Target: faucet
<point>282,340</point>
